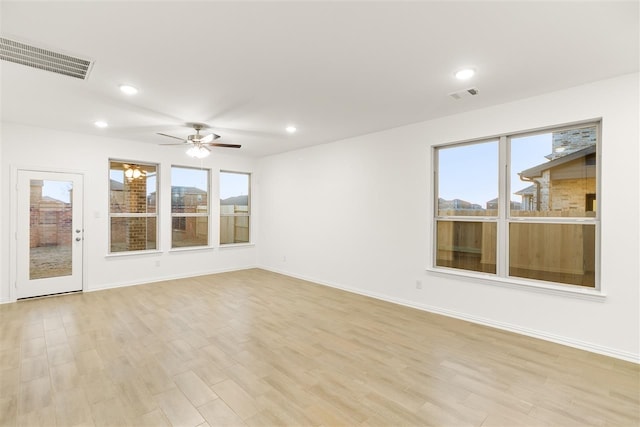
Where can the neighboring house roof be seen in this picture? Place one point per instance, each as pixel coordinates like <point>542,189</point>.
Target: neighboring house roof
<point>235,200</point>
<point>181,191</point>
<point>495,202</point>
<point>52,200</point>
<point>537,170</point>
<point>526,191</point>
<point>186,190</point>
<point>456,204</point>
<point>116,185</point>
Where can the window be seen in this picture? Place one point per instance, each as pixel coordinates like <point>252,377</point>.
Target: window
<point>467,218</point>
<point>189,207</point>
<point>234,207</point>
<point>133,213</point>
<point>537,222</point>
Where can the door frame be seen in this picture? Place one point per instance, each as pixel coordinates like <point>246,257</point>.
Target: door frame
<point>13,223</point>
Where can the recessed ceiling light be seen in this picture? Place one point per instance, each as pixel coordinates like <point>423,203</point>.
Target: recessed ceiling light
<point>128,90</point>
<point>291,129</point>
<point>101,124</point>
<point>465,73</point>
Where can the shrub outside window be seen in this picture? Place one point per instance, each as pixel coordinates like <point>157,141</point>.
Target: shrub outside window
<point>543,223</point>
<point>189,207</point>
<point>235,202</point>
<point>133,212</point>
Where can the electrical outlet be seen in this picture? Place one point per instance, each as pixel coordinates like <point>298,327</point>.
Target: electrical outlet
<point>157,263</point>
<point>284,258</point>
<point>418,284</point>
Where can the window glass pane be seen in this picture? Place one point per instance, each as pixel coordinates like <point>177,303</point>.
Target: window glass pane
<point>234,207</point>
<point>234,193</point>
<point>132,187</point>
<point>190,231</point>
<point>189,190</point>
<point>554,174</point>
<point>133,234</point>
<point>234,229</point>
<point>563,253</point>
<point>468,180</point>
<point>467,245</point>
<point>50,232</point>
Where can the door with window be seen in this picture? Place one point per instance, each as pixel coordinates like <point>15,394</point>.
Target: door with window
<point>49,233</point>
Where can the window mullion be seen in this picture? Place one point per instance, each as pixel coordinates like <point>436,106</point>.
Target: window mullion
<point>503,208</point>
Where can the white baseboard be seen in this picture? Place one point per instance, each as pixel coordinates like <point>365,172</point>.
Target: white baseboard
<point>104,287</point>
<point>594,348</point>
<point>570,342</point>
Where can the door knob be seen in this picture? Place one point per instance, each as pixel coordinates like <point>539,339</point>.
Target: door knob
<point>78,239</point>
<point>77,230</point>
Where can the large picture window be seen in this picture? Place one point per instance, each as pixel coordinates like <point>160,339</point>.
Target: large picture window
<point>235,203</point>
<point>133,206</point>
<point>521,206</point>
<point>189,207</point>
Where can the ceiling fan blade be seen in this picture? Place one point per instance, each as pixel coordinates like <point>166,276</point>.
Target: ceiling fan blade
<point>224,145</point>
<point>209,138</point>
<point>171,136</point>
<point>173,143</point>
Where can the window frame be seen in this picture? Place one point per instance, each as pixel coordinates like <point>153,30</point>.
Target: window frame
<point>504,218</point>
<point>248,214</point>
<point>186,215</point>
<point>155,214</point>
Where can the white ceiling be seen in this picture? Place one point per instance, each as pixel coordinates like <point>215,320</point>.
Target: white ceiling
<point>334,69</point>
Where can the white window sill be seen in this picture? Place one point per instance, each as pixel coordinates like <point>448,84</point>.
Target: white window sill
<point>191,248</point>
<point>237,245</point>
<point>531,286</point>
<point>133,253</point>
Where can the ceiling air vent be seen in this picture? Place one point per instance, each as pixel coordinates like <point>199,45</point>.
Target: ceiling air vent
<point>472,91</point>
<point>43,59</point>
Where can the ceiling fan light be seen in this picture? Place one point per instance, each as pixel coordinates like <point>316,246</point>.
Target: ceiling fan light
<point>198,152</point>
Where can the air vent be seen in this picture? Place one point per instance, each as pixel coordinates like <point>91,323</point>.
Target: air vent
<point>43,59</point>
<point>472,91</point>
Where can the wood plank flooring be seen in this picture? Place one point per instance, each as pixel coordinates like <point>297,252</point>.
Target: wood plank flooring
<point>254,348</point>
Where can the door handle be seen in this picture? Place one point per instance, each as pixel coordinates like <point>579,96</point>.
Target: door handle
<point>78,239</point>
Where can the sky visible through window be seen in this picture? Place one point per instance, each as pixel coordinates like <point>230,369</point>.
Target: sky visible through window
<point>189,177</point>
<point>59,190</point>
<point>233,184</point>
<point>470,172</point>
<point>526,152</point>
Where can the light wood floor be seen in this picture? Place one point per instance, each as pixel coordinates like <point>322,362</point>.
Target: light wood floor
<point>256,348</point>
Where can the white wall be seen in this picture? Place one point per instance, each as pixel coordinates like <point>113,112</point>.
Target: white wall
<point>25,147</point>
<point>354,214</point>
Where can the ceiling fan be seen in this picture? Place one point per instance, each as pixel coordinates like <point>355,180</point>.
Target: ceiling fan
<point>199,143</point>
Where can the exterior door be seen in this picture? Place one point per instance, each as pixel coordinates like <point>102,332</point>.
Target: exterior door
<point>50,233</point>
